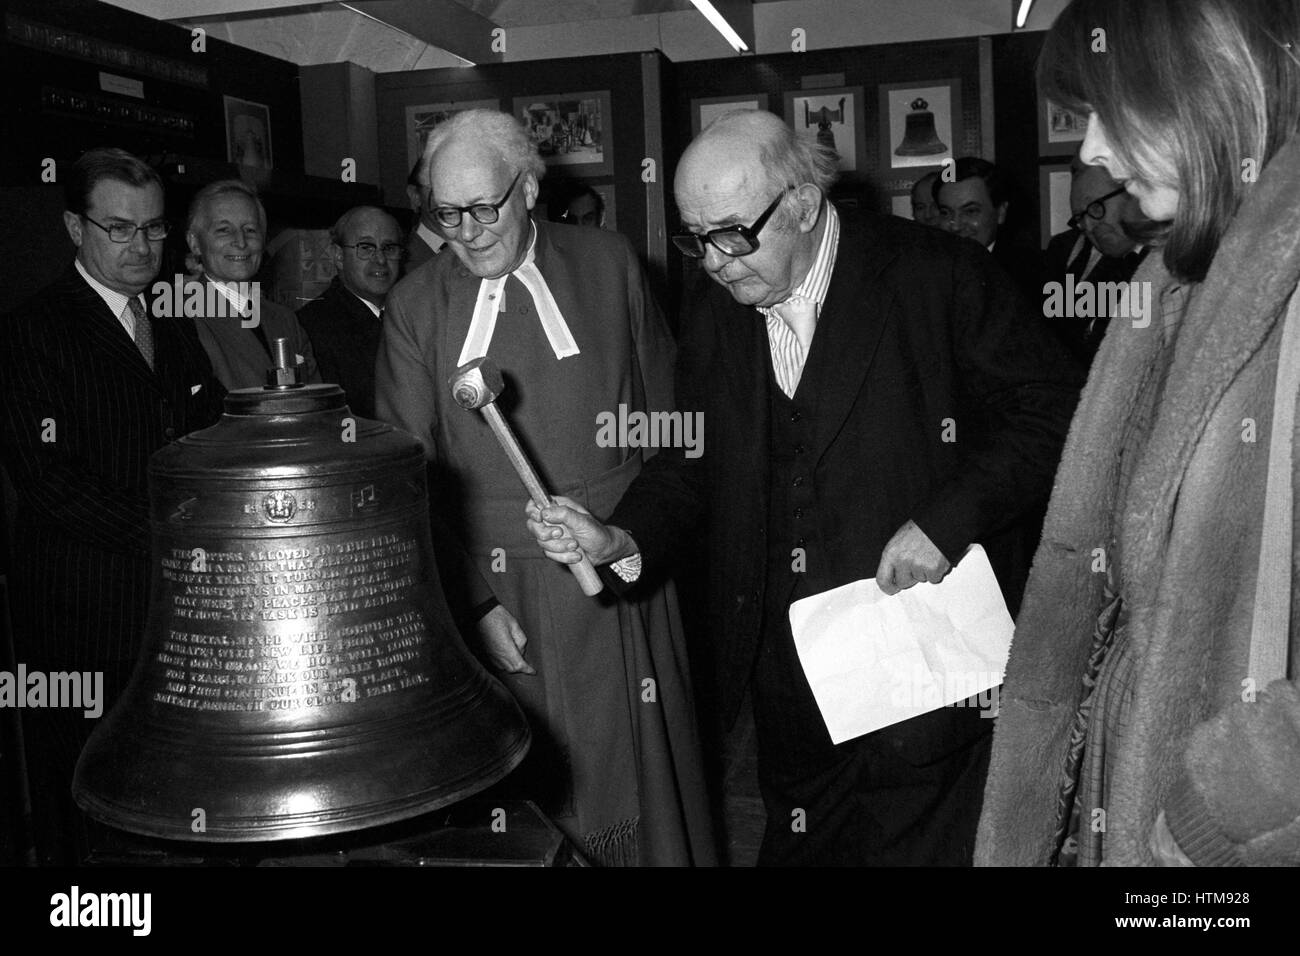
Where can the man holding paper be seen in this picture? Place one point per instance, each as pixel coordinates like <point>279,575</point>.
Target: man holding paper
<point>873,403</point>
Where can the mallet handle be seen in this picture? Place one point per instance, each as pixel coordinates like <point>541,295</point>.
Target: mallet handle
<point>586,574</point>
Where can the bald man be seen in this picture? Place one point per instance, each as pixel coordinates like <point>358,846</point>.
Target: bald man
<point>1096,248</point>
<point>827,360</point>
<point>345,323</point>
<point>565,313</point>
<point>925,209</point>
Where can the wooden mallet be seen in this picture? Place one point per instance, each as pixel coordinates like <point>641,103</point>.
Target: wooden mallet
<point>478,384</point>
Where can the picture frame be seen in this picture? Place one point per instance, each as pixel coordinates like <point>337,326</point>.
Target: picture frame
<point>423,118</point>
<point>705,109</point>
<point>898,202</point>
<point>833,116</point>
<point>1060,131</point>
<point>1053,200</point>
<point>248,133</point>
<point>920,127</point>
<point>573,130</point>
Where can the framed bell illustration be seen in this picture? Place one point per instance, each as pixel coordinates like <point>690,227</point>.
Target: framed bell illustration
<point>920,137</point>
<point>921,126</point>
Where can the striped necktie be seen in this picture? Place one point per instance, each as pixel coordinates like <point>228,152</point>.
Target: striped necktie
<point>143,330</point>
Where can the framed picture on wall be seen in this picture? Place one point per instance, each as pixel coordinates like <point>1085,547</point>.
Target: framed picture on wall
<point>574,130</point>
<point>899,203</point>
<point>832,117</point>
<point>706,109</point>
<point>920,125</point>
<point>1060,131</point>
<point>1053,200</point>
<point>248,133</point>
<point>421,120</point>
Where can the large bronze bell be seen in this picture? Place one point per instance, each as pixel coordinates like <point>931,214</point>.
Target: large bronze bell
<point>301,674</point>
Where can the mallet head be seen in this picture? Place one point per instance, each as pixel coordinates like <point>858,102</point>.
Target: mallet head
<point>477,383</point>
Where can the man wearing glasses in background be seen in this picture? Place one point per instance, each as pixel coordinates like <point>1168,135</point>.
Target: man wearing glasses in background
<point>565,313</point>
<point>1096,248</point>
<point>874,402</point>
<point>345,323</point>
<point>91,385</point>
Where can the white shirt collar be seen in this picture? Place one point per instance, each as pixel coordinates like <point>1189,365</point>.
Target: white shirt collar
<point>363,300</point>
<point>431,238</point>
<point>116,301</point>
<point>818,280</point>
<point>234,293</point>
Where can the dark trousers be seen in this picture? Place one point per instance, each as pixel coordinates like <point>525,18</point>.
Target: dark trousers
<point>54,738</point>
<point>907,795</point>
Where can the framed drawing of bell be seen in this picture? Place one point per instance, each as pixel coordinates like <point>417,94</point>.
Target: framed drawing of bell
<point>832,117</point>
<point>248,133</point>
<point>920,125</point>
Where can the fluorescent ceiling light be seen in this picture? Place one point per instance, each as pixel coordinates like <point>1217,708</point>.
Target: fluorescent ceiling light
<point>1022,14</point>
<point>720,24</point>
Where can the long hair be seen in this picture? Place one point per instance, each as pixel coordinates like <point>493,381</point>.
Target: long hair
<point>1191,93</point>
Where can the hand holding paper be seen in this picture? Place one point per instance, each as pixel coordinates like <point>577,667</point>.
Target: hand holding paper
<point>875,659</point>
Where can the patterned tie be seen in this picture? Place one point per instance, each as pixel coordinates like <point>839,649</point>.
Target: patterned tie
<point>143,330</point>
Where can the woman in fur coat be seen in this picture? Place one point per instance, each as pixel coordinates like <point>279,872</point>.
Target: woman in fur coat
<point>1132,729</point>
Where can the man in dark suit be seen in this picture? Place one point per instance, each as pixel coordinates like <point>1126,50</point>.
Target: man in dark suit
<point>976,204</point>
<point>91,386</point>
<point>1096,248</point>
<point>423,242</point>
<point>834,366</point>
<point>344,324</point>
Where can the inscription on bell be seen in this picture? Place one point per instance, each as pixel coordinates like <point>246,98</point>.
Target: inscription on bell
<point>326,647</point>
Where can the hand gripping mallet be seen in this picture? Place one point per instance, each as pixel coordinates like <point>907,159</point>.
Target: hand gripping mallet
<point>478,384</point>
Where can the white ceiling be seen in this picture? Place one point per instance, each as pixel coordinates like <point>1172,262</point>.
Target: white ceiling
<point>432,32</point>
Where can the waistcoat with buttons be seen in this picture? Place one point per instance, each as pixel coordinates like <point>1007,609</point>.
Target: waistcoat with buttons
<point>792,512</point>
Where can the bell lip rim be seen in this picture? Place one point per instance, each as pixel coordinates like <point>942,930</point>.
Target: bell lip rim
<point>392,811</point>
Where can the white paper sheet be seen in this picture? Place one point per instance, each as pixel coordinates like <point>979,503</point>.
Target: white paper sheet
<point>874,659</point>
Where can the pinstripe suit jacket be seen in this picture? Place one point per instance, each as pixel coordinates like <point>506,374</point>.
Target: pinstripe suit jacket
<point>81,413</point>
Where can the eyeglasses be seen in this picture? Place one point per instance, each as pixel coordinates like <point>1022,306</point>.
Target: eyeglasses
<point>367,250</point>
<point>486,213</point>
<point>1094,210</point>
<point>125,231</point>
<point>729,240</point>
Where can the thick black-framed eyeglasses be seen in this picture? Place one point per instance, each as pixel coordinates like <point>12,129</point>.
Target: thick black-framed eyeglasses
<point>729,240</point>
<point>484,212</point>
<point>367,250</point>
<point>1094,210</point>
<point>125,231</point>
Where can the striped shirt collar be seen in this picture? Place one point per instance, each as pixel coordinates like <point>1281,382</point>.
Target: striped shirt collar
<point>818,280</point>
<point>116,301</point>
